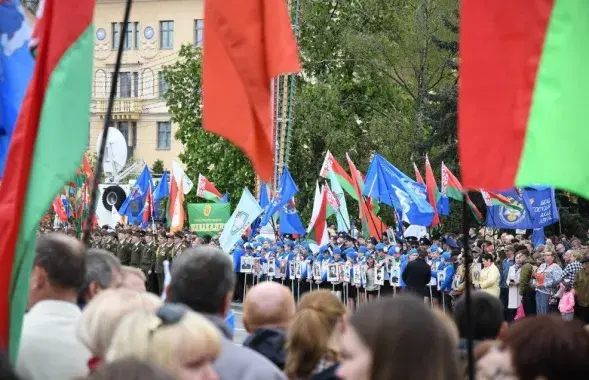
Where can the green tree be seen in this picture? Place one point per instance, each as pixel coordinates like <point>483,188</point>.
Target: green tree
<point>204,153</point>
<point>157,167</point>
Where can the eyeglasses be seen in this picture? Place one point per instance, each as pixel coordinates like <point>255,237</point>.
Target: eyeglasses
<point>169,314</point>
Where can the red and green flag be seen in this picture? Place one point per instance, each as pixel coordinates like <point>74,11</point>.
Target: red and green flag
<point>523,104</point>
<point>330,164</point>
<point>452,188</point>
<point>317,231</point>
<point>207,190</point>
<point>495,199</point>
<point>433,194</point>
<point>56,107</point>
<point>418,177</point>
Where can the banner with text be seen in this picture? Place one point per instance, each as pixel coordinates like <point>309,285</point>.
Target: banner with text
<point>208,218</point>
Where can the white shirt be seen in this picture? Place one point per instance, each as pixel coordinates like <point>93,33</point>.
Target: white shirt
<point>49,347</point>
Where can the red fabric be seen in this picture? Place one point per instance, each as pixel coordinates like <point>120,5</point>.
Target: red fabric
<point>209,186</point>
<point>418,177</point>
<point>501,43</point>
<point>94,363</point>
<point>431,191</point>
<point>247,43</point>
<point>320,224</point>
<point>59,208</point>
<point>63,21</point>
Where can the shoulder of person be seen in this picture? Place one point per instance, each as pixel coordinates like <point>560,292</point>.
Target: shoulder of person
<point>246,363</point>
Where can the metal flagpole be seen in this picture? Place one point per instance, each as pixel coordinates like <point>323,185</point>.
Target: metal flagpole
<point>107,119</point>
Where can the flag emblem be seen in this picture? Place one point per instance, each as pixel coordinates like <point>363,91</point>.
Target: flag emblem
<point>511,216</point>
<point>240,222</point>
<point>207,210</point>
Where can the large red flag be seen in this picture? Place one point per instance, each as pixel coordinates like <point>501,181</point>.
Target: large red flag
<point>246,44</point>
<point>432,191</point>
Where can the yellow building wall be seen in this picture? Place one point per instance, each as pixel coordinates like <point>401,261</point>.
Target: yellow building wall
<point>144,108</point>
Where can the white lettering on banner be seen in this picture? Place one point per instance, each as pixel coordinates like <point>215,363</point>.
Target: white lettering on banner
<point>544,211</point>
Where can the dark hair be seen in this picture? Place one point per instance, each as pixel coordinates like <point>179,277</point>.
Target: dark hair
<point>6,371</point>
<point>487,316</point>
<point>549,347</point>
<point>63,258</point>
<point>130,369</point>
<point>423,254</point>
<point>100,265</point>
<point>201,279</point>
<point>487,256</point>
<point>396,331</point>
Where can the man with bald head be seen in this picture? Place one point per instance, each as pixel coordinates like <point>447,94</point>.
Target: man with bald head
<point>267,311</point>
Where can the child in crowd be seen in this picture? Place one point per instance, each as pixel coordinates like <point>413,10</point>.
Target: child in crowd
<point>566,305</point>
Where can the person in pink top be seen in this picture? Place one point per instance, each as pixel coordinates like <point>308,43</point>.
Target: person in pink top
<point>566,306</point>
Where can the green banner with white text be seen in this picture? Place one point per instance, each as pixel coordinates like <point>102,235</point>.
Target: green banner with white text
<point>208,218</point>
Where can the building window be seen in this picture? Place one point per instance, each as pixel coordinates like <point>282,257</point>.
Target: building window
<point>134,138</point>
<point>123,127</point>
<point>128,36</point>
<point>125,85</point>
<point>199,30</point>
<point>136,35</point>
<point>115,35</point>
<point>163,86</point>
<point>135,84</point>
<point>166,34</point>
<point>164,135</point>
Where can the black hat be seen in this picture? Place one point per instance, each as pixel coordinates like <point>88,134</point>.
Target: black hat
<point>105,227</point>
<point>288,236</point>
<point>374,240</point>
<point>141,233</point>
<point>349,238</point>
<point>179,234</point>
<point>342,234</point>
<point>424,241</point>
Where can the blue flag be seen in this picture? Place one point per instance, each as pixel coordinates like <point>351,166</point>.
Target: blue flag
<point>16,69</point>
<point>135,200</point>
<point>538,237</point>
<point>389,185</point>
<point>538,209</point>
<point>161,191</point>
<point>224,198</point>
<point>285,192</point>
<point>290,222</point>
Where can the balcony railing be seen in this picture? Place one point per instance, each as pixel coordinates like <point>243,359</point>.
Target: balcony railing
<point>119,106</point>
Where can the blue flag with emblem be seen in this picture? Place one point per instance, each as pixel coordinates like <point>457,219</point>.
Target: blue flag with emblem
<point>290,222</point>
<point>538,209</point>
<point>390,186</point>
<point>135,200</point>
<point>246,212</point>
<point>16,69</point>
<point>161,191</point>
<point>285,192</point>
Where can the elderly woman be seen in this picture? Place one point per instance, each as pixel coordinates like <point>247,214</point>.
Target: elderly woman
<point>547,278</point>
<point>513,277</point>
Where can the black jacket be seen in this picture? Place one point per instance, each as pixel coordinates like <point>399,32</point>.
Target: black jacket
<point>416,276</point>
<point>269,343</point>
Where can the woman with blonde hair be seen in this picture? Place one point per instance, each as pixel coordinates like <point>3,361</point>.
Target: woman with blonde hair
<point>174,337</point>
<point>103,314</point>
<point>313,343</point>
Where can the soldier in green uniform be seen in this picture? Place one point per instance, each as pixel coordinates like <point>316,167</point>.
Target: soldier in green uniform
<point>124,248</point>
<point>148,258</point>
<point>110,242</point>
<point>161,254</point>
<point>136,249</point>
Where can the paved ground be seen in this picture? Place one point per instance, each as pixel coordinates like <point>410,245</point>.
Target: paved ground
<point>240,333</point>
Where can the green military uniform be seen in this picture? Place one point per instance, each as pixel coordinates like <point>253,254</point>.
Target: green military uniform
<point>161,255</point>
<point>124,252</point>
<point>136,251</point>
<point>148,257</point>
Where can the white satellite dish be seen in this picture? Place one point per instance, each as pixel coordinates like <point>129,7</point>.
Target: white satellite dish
<point>115,153</point>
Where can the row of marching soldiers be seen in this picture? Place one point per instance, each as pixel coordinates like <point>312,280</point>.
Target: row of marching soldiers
<point>357,270</point>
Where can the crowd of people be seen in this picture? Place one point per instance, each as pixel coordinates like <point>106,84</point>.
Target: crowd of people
<point>98,313</point>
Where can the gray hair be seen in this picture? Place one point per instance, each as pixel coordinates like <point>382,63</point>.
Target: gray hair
<point>201,279</point>
<point>100,265</point>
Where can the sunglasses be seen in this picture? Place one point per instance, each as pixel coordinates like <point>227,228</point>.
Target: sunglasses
<point>169,314</point>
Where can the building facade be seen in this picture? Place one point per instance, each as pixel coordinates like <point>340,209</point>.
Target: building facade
<point>156,30</point>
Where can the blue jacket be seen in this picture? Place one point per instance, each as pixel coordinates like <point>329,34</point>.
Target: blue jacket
<point>446,286</point>
<point>505,265</point>
<point>404,260</point>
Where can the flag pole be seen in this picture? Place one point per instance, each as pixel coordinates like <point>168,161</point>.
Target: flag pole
<point>467,289</point>
<point>107,119</point>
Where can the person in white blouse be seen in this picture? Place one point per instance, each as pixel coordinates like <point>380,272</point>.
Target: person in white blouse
<point>513,282</point>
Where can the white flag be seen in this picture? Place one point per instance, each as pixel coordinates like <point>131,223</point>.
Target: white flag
<point>178,172</point>
<point>114,217</point>
<point>244,215</point>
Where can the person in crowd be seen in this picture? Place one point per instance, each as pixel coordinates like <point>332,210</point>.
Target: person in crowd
<point>130,369</point>
<point>487,317</point>
<point>49,348</point>
<point>489,277</point>
<point>547,278</point>
<point>203,279</point>
<point>526,289</point>
<point>506,264</point>
<point>544,347</point>
<point>571,259</point>
<point>267,312</point>
<point>566,305</point>
<point>384,336</point>
<point>103,314</point>
<point>513,281</point>
<point>314,338</point>
<point>173,336</point>
<point>581,286</point>
<point>134,278</point>
<point>103,271</point>
<point>417,275</point>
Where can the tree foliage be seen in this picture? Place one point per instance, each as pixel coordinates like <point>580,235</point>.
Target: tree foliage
<point>204,153</point>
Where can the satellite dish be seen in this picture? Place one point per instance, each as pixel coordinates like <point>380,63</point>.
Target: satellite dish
<point>115,153</point>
